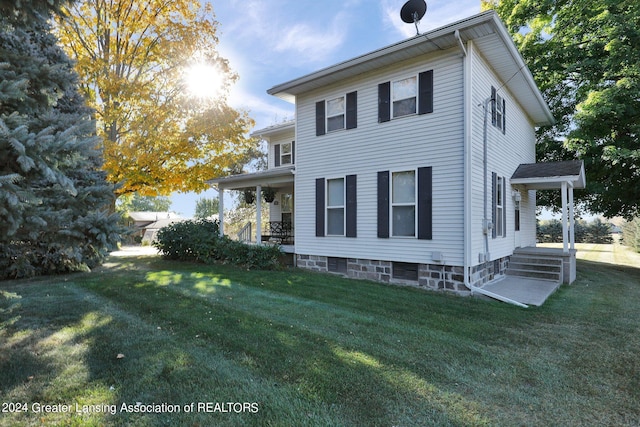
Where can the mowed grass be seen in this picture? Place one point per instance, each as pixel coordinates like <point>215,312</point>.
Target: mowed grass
<point>314,350</point>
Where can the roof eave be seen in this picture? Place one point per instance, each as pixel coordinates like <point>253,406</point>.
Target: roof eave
<point>550,182</point>
<point>541,117</point>
<point>276,176</point>
<point>273,130</point>
<point>522,66</point>
<point>287,90</point>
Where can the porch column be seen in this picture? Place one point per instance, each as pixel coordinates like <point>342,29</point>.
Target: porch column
<point>220,210</point>
<point>259,215</point>
<point>572,234</point>
<point>565,240</point>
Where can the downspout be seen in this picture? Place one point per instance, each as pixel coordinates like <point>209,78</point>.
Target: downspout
<point>466,64</point>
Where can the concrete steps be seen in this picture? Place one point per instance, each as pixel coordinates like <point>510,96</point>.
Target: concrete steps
<point>535,266</point>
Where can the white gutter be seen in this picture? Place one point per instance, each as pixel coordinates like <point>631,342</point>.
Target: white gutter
<point>467,108</point>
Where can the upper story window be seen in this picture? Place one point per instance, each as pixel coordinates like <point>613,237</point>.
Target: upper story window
<point>498,106</point>
<point>284,154</point>
<point>404,96</point>
<point>337,113</point>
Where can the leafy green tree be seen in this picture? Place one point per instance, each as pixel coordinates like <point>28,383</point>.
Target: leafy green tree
<point>599,232</point>
<point>53,195</point>
<point>549,231</point>
<point>134,202</point>
<point>205,208</point>
<point>584,56</point>
<point>631,234</point>
<point>581,231</point>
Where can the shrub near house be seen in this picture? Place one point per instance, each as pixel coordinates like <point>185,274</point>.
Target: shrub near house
<point>200,241</point>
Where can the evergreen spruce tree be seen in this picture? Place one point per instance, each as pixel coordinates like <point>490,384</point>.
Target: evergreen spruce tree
<point>54,198</point>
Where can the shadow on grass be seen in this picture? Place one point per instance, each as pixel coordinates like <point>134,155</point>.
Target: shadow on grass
<point>313,349</point>
<point>61,344</point>
<point>598,265</point>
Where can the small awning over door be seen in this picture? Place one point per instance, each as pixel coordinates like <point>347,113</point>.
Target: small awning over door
<point>563,176</point>
<point>550,175</point>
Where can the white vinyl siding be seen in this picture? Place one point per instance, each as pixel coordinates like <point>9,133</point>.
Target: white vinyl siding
<point>505,153</point>
<point>434,140</point>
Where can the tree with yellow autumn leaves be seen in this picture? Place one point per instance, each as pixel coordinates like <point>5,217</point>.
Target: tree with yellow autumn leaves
<point>151,71</point>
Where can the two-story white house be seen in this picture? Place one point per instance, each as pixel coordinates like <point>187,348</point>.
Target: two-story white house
<point>414,163</point>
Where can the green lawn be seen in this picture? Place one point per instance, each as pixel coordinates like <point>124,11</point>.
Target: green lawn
<point>294,348</point>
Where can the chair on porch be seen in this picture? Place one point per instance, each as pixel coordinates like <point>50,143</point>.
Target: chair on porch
<point>280,231</point>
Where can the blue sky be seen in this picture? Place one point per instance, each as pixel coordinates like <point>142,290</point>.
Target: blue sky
<point>268,42</point>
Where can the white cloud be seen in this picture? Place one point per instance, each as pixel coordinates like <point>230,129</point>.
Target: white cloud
<point>264,109</point>
<point>314,44</point>
<point>267,28</point>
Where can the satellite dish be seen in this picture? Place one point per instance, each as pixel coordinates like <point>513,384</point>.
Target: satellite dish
<point>413,11</point>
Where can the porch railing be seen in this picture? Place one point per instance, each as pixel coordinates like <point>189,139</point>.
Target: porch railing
<point>281,231</point>
<point>244,235</point>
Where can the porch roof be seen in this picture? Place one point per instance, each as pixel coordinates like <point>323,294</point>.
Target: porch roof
<point>288,126</point>
<point>271,177</point>
<point>550,175</point>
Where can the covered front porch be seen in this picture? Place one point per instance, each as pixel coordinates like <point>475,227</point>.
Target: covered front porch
<point>273,187</point>
<point>564,176</point>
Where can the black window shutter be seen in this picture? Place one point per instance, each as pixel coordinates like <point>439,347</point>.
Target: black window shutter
<point>504,117</point>
<point>352,110</point>
<point>352,206</point>
<point>383,204</point>
<point>276,155</point>
<point>320,118</point>
<point>320,207</point>
<point>425,203</point>
<point>425,92</point>
<point>494,201</point>
<point>384,102</point>
<point>293,152</point>
<point>493,105</point>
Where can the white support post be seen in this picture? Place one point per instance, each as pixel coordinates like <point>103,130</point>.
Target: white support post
<point>565,234</point>
<point>259,215</point>
<point>221,210</point>
<point>572,234</point>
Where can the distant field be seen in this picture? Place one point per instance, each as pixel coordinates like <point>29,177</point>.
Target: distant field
<point>614,253</point>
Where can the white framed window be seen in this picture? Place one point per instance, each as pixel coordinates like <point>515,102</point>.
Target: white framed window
<point>286,207</point>
<point>335,203</point>
<point>500,206</point>
<point>403,204</point>
<point>286,154</point>
<point>404,97</point>
<point>499,112</point>
<point>335,114</point>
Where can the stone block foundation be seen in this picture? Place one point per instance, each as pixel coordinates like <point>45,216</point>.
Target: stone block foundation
<point>429,276</point>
